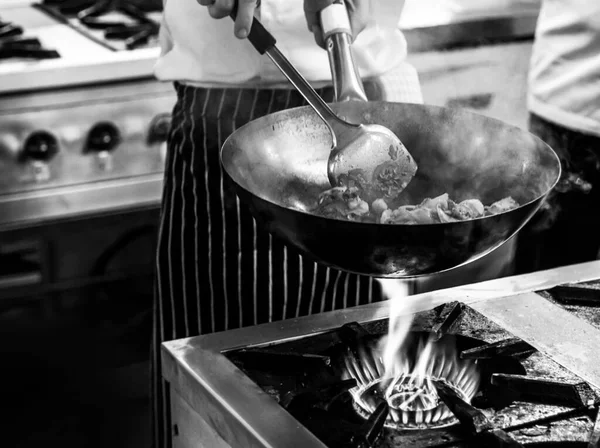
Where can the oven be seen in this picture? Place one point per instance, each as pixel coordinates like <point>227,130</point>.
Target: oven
<point>83,129</point>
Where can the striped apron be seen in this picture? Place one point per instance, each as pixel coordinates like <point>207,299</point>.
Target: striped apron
<point>216,269</point>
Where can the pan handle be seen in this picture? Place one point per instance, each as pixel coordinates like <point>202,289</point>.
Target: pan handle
<point>338,41</point>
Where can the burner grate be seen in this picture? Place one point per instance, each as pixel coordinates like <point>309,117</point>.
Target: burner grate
<point>106,21</point>
<point>14,45</point>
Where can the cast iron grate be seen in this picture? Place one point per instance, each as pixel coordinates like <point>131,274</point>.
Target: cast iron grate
<point>13,44</point>
<point>106,21</point>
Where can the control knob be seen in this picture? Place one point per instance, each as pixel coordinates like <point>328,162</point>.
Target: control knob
<point>103,136</point>
<point>101,140</point>
<point>40,146</point>
<point>159,129</point>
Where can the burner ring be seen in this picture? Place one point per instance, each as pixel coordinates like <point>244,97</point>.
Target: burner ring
<point>410,393</point>
<point>412,405</point>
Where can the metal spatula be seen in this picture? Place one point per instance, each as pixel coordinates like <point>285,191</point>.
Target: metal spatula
<point>369,152</point>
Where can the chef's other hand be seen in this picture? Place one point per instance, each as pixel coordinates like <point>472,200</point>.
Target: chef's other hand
<point>245,13</point>
<point>359,11</point>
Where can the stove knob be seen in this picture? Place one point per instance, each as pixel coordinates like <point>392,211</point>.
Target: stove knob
<point>103,136</point>
<point>40,146</point>
<point>159,129</point>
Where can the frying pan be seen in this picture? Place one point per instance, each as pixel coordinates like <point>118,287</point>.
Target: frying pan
<point>277,165</point>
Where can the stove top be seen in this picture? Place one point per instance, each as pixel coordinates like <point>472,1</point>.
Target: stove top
<point>75,42</point>
<point>500,366</point>
<point>118,25</point>
<point>482,386</point>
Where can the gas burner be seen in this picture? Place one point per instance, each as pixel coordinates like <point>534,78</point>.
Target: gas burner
<point>108,21</point>
<point>410,390</point>
<point>13,45</point>
<point>413,402</point>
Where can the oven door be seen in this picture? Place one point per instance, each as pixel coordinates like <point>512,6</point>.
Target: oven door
<point>75,319</point>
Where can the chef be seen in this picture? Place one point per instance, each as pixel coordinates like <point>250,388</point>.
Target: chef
<point>216,269</point>
<point>564,105</point>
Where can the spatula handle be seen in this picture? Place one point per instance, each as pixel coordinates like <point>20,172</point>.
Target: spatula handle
<point>264,42</point>
<point>258,36</point>
<point>338,41</point>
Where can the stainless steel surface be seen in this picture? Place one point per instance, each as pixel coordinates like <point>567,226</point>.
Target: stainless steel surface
<point>219,392</point>
<point>45,206</point>
<point>346,79</point>
<point>276,165</point>
<point>82,178</point>
<point>568,340</point>
<point>263,424</point>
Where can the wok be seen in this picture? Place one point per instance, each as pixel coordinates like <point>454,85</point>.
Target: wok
<point>277,165</point>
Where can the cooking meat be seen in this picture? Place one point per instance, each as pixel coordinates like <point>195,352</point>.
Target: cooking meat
<point>345,203</point>
<point>342,203</point>
<point>503,205</point>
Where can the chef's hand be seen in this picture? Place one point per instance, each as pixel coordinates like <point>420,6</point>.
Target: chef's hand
<point>245,13</point>
<point>359,11</point>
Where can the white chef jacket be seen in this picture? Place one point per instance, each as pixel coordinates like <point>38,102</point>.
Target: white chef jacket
<point>564,78</point>
<point>199,50</point>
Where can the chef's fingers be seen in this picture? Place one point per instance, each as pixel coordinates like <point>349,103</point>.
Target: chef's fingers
<point>318,33</point>
<point>245,15</point>
<point>312,9</point>
<point>220,8</point>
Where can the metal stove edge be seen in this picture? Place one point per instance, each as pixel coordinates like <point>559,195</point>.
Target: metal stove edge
<point>244,415</point>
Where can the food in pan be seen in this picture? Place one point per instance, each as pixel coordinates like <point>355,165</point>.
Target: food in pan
<point>346,203</point>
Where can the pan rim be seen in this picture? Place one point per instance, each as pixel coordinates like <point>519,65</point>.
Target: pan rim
<point>335,105</point>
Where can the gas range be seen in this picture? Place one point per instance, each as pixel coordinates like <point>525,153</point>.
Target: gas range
<point>509,362</point>
<point>83,121</point>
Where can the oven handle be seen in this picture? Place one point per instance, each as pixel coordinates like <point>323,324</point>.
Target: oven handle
<point>21,264</point>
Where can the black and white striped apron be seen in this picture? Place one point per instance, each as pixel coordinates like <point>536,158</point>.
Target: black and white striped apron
<point>216,269</point>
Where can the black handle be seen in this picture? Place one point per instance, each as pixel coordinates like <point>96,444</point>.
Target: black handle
<point>259,37</point>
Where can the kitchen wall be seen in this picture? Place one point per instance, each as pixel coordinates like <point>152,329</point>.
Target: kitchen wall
<point>491,80</point>
<point>419,13</point>
<point>488,78</point>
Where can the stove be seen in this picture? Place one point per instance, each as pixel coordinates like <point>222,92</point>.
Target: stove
<point>83,121</point>
<point>507,362</point>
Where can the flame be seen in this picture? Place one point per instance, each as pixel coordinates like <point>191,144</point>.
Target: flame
<point>402,374</point>
<point>402,310</point>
